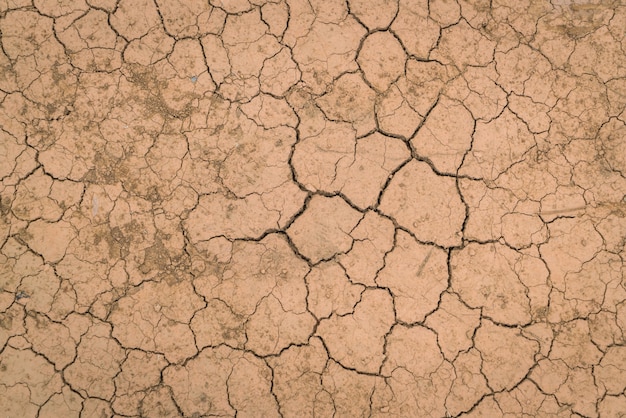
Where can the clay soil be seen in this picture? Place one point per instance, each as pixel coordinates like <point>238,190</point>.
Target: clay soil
<point>312,208</point>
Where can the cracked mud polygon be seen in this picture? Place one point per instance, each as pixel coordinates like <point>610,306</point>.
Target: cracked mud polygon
<point>298,208</point>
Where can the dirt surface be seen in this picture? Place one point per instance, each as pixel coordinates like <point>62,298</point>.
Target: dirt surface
<point>297,208</point>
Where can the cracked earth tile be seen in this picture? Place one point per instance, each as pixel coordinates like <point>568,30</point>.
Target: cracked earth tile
<point>66,404</point>
<point>497,145</point>
<point>611,372</point>
<point>32,199</point>
<point>326,51</point>
<point>269,266</point>
<point>300,22</point>
<point>33,37</point>
<point>469,385</point>
<point>25,369</point>
<point>60,8</point>
<point>155,316</point>
<point>554,36</point>
<point>425,203</point>
<point>604,330</point>
<point>350,100</point>
<point>581,112</point>
<point>95,407</point>
<point>487,206</point>
<point>586,290</point>
<point>188,19</point>
<point>51,339</point>
<point>270,112</point>
<point>10,148</point>
<point>264,300</point>
<point>216,58</point>
<point>416,275</point>
<point>507,280</point>
<point>140,371</point>
<point>573,345</point>
<point>606,62</point>
<point>446,135</point>
<point>526,15</point>
<point>497,345</point>
<point>91,43</point>
<point>276,15</point>
<point>540,177</point>
<point>377,155</point>
<point>15,45</point>
<point>535,115</point>
<point>567,252</point>
<point>12,320</point>
<point>71,156</point>
<point>580,391</point>
<point>98,360</point>
<point>279,73</point>
<point>258,163</point>
<point>412,14</point>
<point>223,382</point>
<point>425,374</point>
<point>133,19</point>
<point>324,229</point>
<point>520,68</point>
<point>454,324</point>
<point>356,340</point>
<point>329,11</point>
<point>520,230</point>
<point>318,156</point>
<point>400,110</point>
<point>215,401</point>
<point>274,327</point>
<point>297,380</point>
<point>430,356</point>
<point>159,403</point>
<point>232,7</point>
<point>17,400</point>
<point>462,45</point>
<point>611,406</point>
<point>382,60</point>
<point>217,324</point>
<point>187,59</point>
<point>609,190</point>
<point>48,294</point>
<point>526,399</point>
<point>478,91</point>
<point>395,115</point>
<point>375,14</point>
<point>247,45</point>
<point>613,148</point>
<point>549,375</point>
<point>330,291</point>
<point>49,239</point>
<point>444,12</point>
<point>373,238</point>
<point>352,393</point>
<point>616,97</point>
<point>165,156</point>
<point>229,223</point>
<point>150,48</point>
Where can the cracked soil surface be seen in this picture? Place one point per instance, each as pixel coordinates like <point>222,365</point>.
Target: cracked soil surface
<point>298,208</point>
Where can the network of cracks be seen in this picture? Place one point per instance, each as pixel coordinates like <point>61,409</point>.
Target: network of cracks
<point>330,208</point>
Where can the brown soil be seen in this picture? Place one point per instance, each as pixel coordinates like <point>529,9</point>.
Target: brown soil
<point>298,208</point>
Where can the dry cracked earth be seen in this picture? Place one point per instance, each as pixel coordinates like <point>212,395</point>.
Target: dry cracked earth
<point>298,208</point>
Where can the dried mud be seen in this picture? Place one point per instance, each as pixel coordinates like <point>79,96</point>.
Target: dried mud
<point>295,208</point>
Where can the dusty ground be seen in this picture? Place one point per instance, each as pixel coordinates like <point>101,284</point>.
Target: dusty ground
<point>312,208</point>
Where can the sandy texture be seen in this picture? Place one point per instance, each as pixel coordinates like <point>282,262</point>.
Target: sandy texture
<point>312,208</point>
